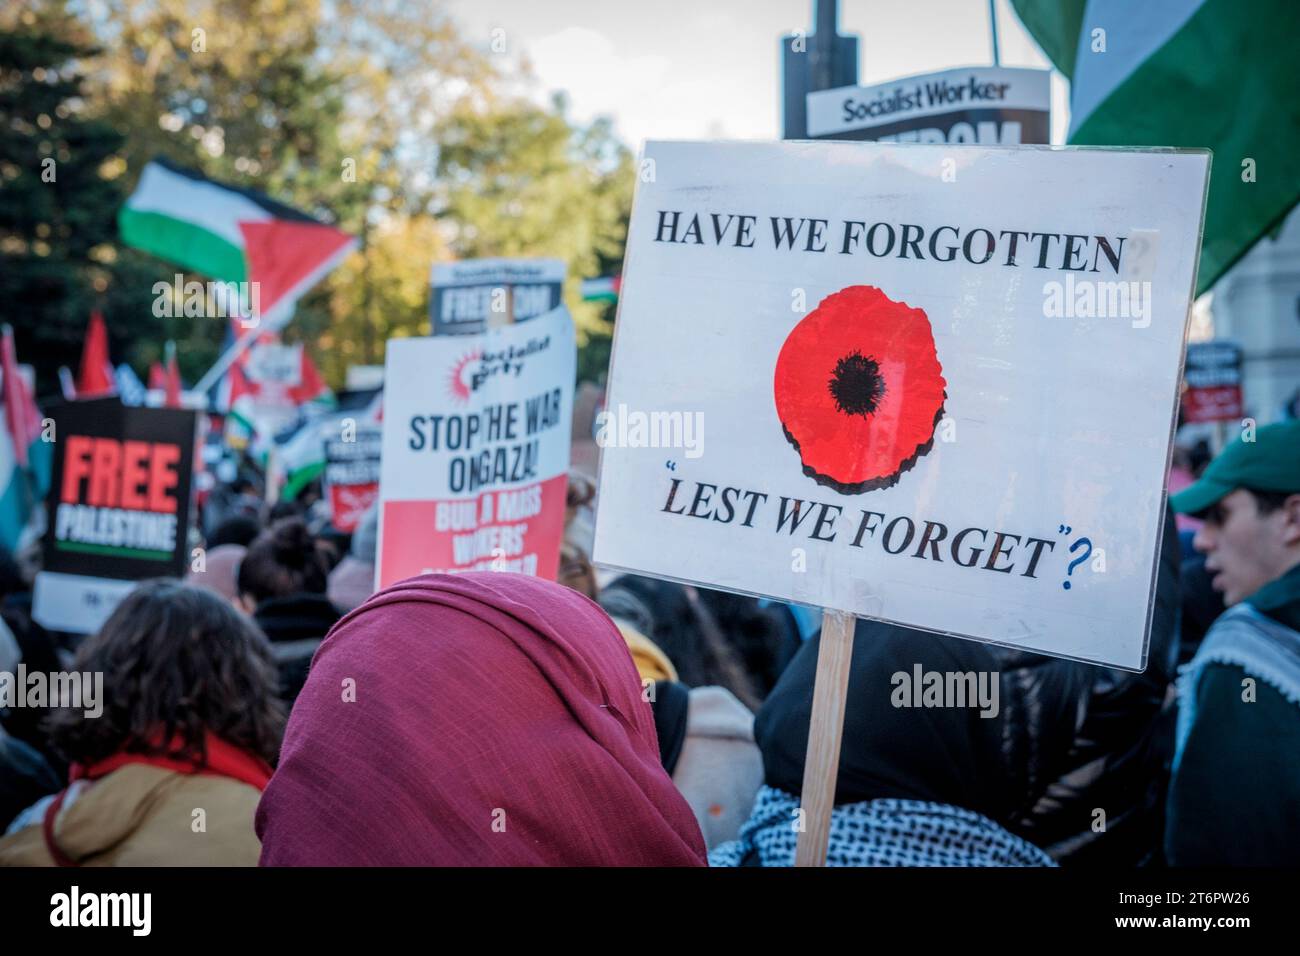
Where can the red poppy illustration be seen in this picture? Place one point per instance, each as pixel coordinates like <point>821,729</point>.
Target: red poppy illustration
<point>859,389</point>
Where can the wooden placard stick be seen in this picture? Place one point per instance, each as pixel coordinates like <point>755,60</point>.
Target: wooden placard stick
<point>822,761</point>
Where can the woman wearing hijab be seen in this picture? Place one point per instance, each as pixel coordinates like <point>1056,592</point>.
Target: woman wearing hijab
<point>706,735</point>
<point>184,731</point>
<point>479,719</point>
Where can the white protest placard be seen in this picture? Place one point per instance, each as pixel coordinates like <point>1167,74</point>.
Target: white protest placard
<point>351,475</point>
<point>475,450</point>
<point>274,363</point>
<point>847,375</point>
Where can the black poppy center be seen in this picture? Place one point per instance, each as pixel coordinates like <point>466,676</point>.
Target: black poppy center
<point>857,385</point>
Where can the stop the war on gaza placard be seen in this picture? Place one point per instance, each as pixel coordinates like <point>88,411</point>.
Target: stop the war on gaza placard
<point>118,509</point>
<point>475,453</point>
<point>933,385</point>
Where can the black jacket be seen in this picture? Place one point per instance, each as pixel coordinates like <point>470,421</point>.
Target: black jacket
<point>1236,796</point>
<point>1068,738</point>
<point>295,626</point>
<point>1118,754</point>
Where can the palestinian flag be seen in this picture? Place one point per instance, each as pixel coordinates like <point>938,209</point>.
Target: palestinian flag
<point>289,376</point>
<point>232,235</point>
<point>1217,74</point>
<point>601,290</point>
<point>25,459</point>
<point>269,385</point>
<point>303,455</point>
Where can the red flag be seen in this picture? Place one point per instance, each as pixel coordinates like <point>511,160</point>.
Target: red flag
<point>21,418</point>
<point>311,386</point>
<point>157,377</point>
<point>96,377</point>
<point>286,258</point>
<point>173,383</point>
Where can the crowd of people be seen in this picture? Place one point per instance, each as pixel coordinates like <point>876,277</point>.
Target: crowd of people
<point>270,708</point>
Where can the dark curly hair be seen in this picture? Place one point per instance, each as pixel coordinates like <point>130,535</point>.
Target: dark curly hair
<point>678,622</point>
<point>178,662</point>
<point>285,559</point>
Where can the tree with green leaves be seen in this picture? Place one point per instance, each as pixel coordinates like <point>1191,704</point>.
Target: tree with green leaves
<point>58,202</point>
<point>377,115</point>
<point>518,179</point>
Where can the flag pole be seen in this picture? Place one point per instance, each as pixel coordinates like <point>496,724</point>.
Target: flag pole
<point>227,359</point>
<point>993,27</point>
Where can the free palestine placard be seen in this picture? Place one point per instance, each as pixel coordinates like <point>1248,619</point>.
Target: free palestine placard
<point>118,509</point>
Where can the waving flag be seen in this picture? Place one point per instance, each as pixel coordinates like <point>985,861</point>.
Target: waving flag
<point>230,234</point>
<point>604,289</point>
<point>1193,73</point>
<point>97,377</point>
<point>24,459</point>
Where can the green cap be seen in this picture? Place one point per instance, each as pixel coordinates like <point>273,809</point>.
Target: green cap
<point>1269,463</point>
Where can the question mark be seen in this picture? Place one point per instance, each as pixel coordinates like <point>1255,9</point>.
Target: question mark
<point>1079,560</point>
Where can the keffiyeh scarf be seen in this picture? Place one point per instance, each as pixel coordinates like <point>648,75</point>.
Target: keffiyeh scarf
<point>879,833</point>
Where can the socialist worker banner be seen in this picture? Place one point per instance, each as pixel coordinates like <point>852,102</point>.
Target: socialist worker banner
<point>925,384</point>
<point>984,105</point>
<point>475,452</point>
<point>118,509</point>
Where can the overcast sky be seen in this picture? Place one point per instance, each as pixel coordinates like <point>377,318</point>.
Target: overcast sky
<point>710,68</point>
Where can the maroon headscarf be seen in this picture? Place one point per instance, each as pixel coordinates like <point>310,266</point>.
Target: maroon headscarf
<point>497,720</point>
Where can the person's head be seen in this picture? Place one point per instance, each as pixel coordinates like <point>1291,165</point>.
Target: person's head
<point>220,571</point>
<point>178,663</point>
<point>679,623</point>
<point>947,755</point>
<point>365,539</point>
<point>1249,539</point>
<point>284,509</point>
<point>284,560</point>
<point>576,570</point>
<point>239,529</point>
<point>442,663</point>
<point>1249,498</point>
<point>756,634</point>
